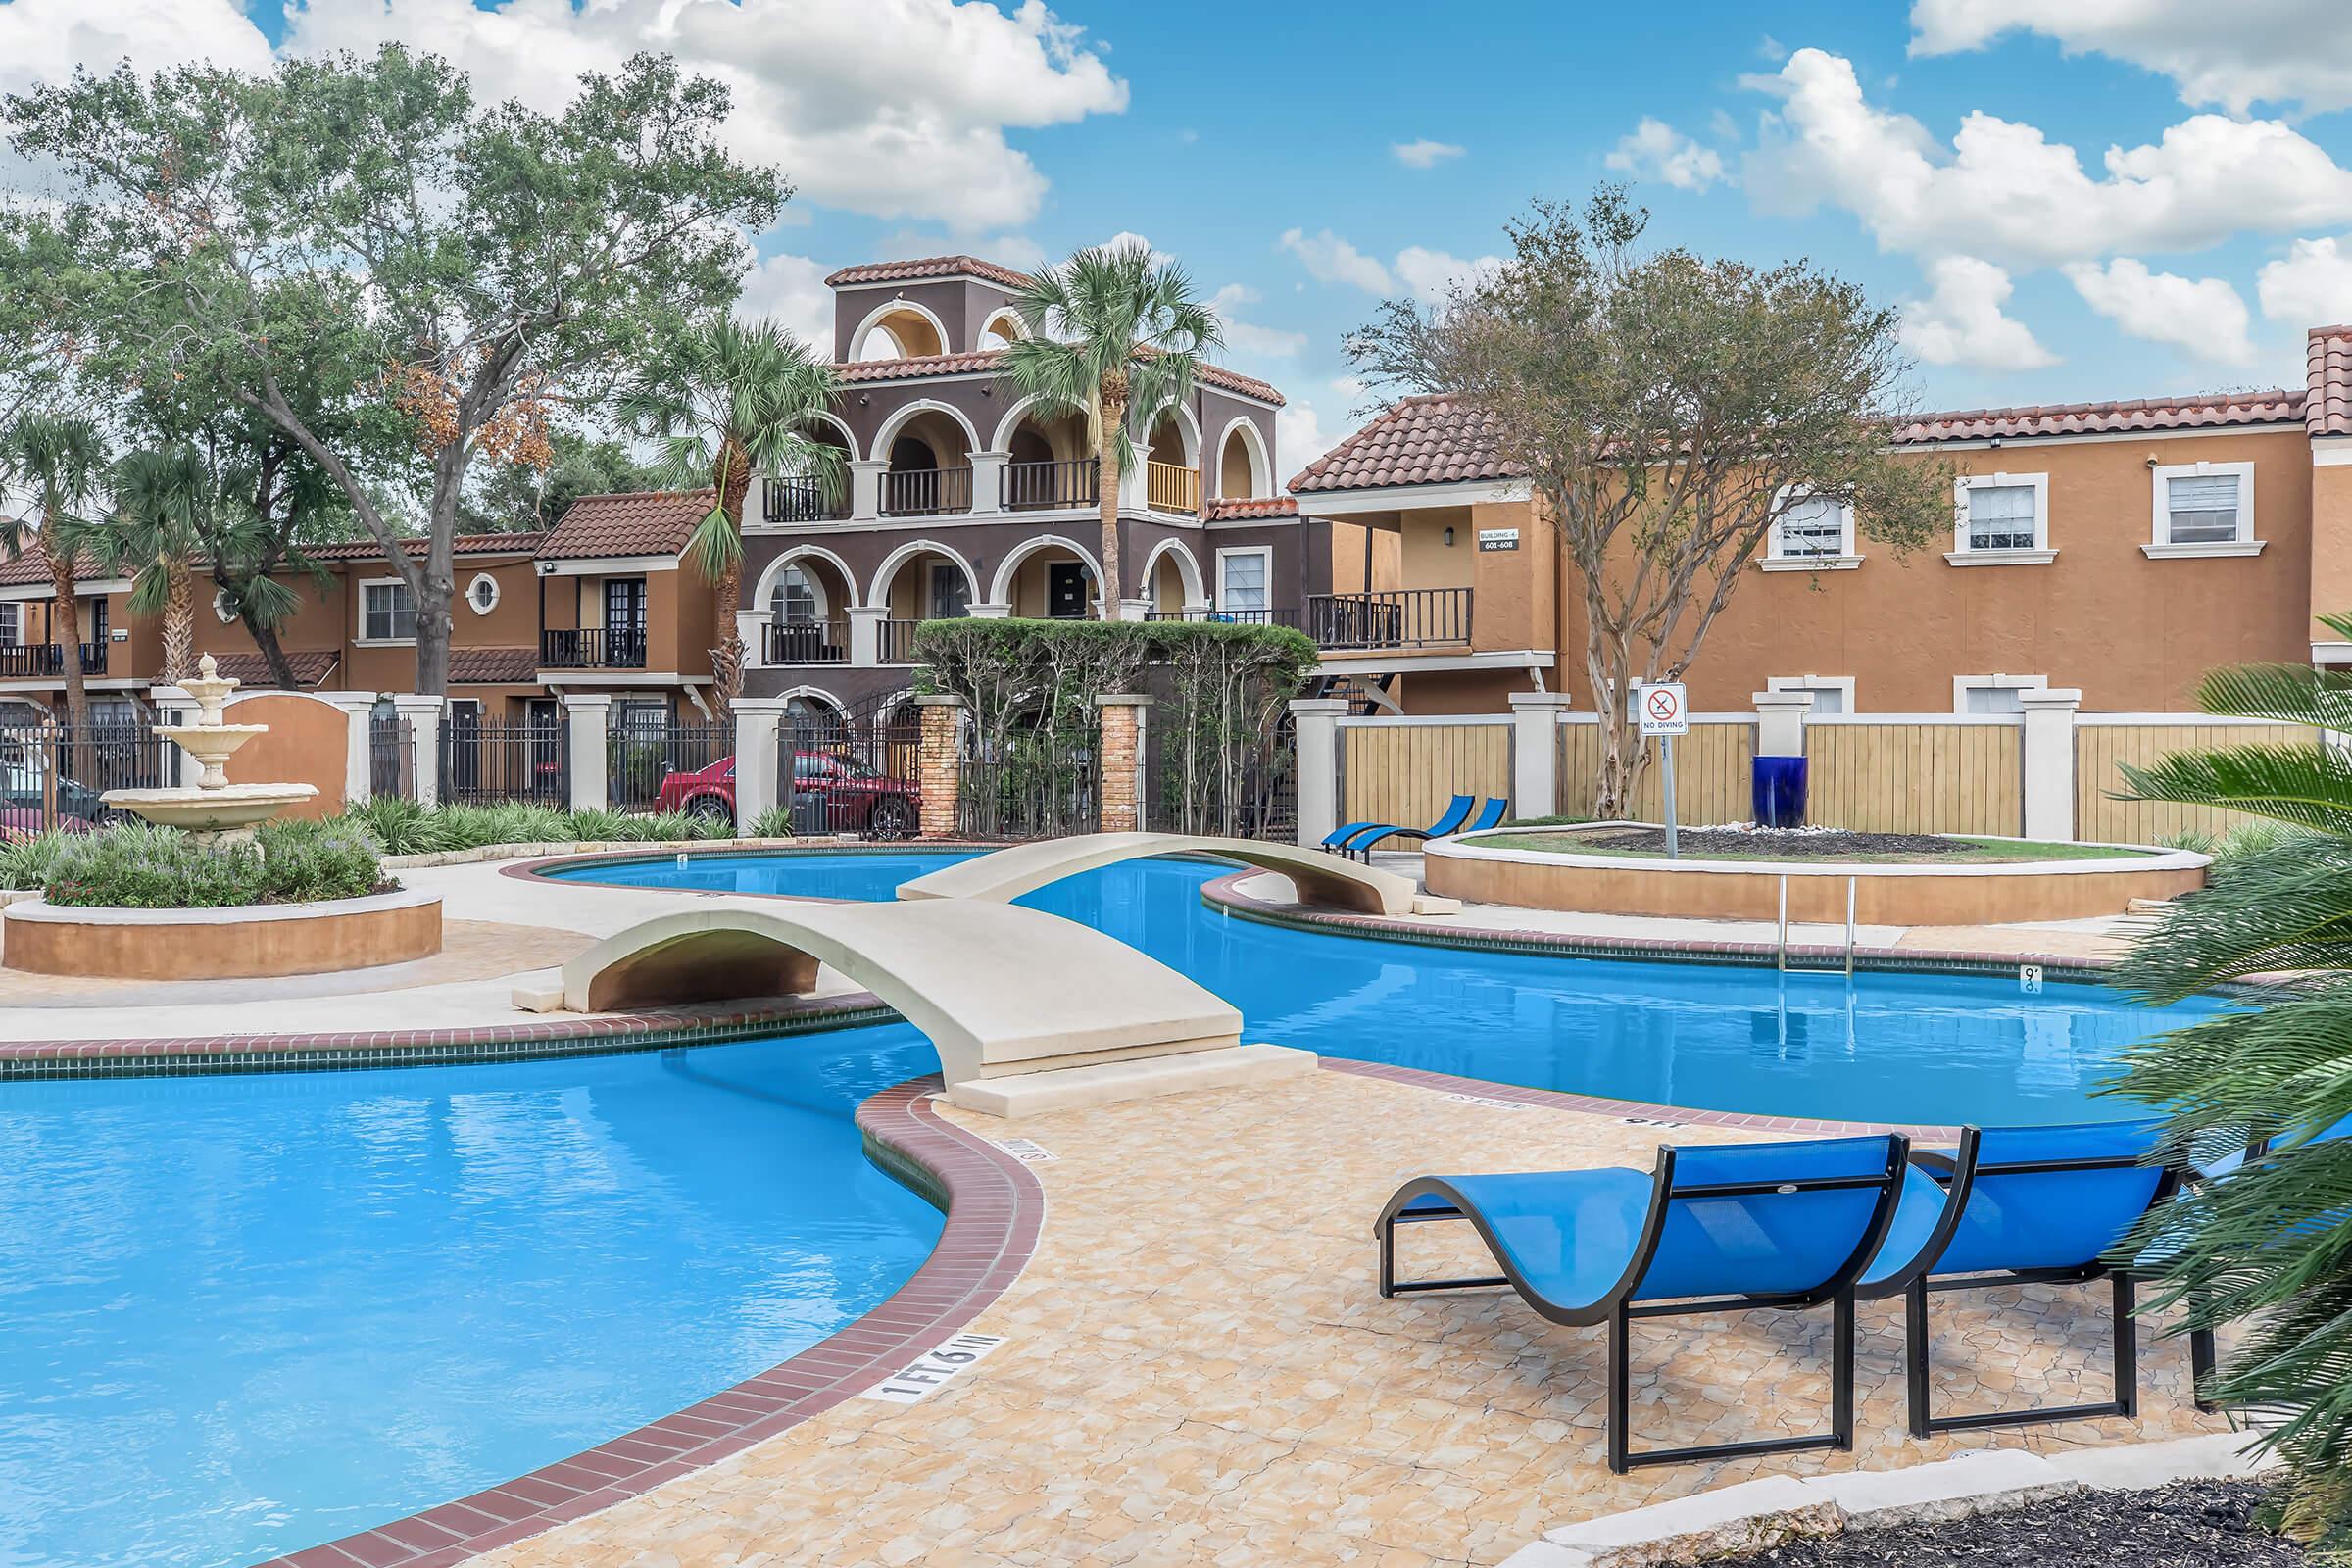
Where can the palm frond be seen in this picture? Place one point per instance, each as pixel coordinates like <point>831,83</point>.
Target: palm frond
<point>2308,786</point>
<point>2286,694</point>
<point>2287,908</point>
<point>716,544</point>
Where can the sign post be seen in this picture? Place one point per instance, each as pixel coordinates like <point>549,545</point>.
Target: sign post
<point>1665,714</point>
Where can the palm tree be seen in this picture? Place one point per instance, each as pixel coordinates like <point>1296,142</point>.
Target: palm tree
<point>60,459</point>
<point>2271,1246</point>
<point>733,399</point>
<point>1110,332</point>
<point>162,499</point>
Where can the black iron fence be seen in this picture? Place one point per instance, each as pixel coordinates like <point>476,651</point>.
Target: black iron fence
<point>484,764</point>
<point>1039,486</point>
<point>391,756</point>
<point>808,641</point>
<point>854,771</point>
<point>1404,618</point>
<point>925,492</point>
<point>806,500</point>
<point>895,641</point>
<point>594,648</point>
<point>55,775</point>
<point>1031,784</point>
<point>1277,616</point>
<point>47,661</point>
<point>640,761</point>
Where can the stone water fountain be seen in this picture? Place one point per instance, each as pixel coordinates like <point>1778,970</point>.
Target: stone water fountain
<point>213,811</point>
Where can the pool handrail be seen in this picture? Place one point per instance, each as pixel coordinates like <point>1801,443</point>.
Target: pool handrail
<point>1825,1204</point>
<point>2020,1205</point>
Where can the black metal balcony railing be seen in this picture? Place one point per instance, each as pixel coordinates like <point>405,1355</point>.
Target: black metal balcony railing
<point>593,648</point>
<point>804,501</point>
<point>896,641</point>
<point>808,641</point>
<point>1039,486</point>
<point>35,660</point>
<point>1275,616</point>
<point>1404,618</point>
<point>926,492</point>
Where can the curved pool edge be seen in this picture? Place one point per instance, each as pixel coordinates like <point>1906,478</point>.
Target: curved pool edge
<point>546,869</point>
<point>995,1209</point>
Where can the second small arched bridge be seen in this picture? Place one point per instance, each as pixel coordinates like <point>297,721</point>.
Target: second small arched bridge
<point>1321,878</point>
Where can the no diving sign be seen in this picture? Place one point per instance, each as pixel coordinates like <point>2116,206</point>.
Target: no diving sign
<point>1664,710</point>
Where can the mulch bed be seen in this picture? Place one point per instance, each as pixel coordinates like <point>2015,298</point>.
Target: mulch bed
<point>2189,1524</point>
<point>1702,842</point>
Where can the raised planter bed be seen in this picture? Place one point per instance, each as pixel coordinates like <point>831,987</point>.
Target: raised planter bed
<point>1943,890</point>
<point>251,942</point>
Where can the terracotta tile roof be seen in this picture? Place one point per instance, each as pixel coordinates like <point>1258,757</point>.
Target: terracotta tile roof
<point>1237,510</point>
<point>465,544</point>
<point>640,522</point>
<point>910,369</point>
<point>1435,439</point>
<point>2328,400</point>
<point>493,666</point>
<point>927,267</point>
<point>2220,410</point>
<point>309,667</point>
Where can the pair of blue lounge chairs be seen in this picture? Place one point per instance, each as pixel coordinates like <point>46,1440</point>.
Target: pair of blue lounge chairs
<point>1733,1228</point>
<point>1464,815</point>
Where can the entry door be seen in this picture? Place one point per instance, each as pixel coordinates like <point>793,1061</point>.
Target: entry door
<point>624,621</point>
<point>1066,590</point>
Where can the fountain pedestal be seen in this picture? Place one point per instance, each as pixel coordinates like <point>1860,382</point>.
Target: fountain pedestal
<point>214,810</point>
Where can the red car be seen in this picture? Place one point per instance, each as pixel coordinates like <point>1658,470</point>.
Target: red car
<point>851,797</point>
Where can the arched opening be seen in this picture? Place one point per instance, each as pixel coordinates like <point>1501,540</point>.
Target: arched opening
<point>1001,330</point>
<point>1051,464</point>
<point>919,582</point>
<point>1172,582</point>
<point>810,496</point>
<point>898,330</point>
<point>930,467</point>
<point>808,603</point>
<point>1243,472</point>
<point>1172,472</point>
<point>1051,580</point>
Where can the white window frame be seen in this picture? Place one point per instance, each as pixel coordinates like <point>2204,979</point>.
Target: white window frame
<point>11,623</point>
<point>360,637</point>
<point>2160,545</point>
<point>2040,555</point>
<point>1264,552</point>
<point>1962,685</point>
<point>479,579</point>
<point>1842,684</point>
<point>1847,557</point>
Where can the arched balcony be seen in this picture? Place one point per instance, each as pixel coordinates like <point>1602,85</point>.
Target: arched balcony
<point>808,594</point>
<point>920,581</point>
<point>1049,463</point>
<point>898,330</point>
<point>797,498</point>
<point>1245,469</point>
<point>930,471</point>
<point>1172,472</point>
<point>1050,578</point>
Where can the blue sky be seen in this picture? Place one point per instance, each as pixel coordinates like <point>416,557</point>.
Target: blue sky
<point>2154,197</point>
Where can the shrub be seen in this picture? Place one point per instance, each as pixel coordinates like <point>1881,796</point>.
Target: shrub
<point>403,827</point>
<point>773,823</point>
<point>140,866</point>
<point>26,864</point>
<point>302,861</point>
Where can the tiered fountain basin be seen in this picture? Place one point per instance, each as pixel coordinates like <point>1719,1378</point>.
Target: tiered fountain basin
<point>2057,883</point>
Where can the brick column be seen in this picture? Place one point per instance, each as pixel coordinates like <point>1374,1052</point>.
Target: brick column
<point>1123,788</point>
<point>939,761</point>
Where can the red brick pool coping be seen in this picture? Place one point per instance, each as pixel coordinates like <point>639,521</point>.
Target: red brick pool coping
<point>994,1209</point>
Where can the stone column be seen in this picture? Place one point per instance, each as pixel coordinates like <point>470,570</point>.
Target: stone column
<point>1135,481</point>
<point>989,611</point>
<point>421,712</point>
<point>1124,790</point>
<point>358,760</point>
<point>865,488</point>
<point>173,708</point>
<point>759,780</point>
<point>1535,752</point>
<point>1781,722</point>
<point>1318,730</point>
<point>588,719</point>
<point>939,761</point>
<point>2049,763</point>
<point>1134,608</point>
<point>865,634</point>
<point>988,480</point>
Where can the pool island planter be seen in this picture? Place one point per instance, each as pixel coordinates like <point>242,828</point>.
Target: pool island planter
<point>1906,894</point>
<point>241,943</point>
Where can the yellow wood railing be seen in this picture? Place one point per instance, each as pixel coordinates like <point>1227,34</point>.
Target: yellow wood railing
<point>1170,488</point>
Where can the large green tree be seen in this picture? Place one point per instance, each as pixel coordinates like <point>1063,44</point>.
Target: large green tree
<point>1111,333</point>
<point>60,460</point>
<point>1667,409</point>
<point>513,496</point>
<point>733,399</point>
<point>469,267</point>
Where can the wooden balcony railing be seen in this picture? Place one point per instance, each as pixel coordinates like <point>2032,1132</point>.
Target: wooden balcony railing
<point>806,642</point>
<point>1170,488</point>
<point>1275,616</point>
<point>894,644</point>
<point>804,501</point>
<point>1040,486</point>
<point>926,492</point>
<point>593,648</point>
<point>36,660</point>
<point>1405,617</point>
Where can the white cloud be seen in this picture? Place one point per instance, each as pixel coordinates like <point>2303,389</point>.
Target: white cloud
<point>1299,438</point>
<point>2003,192</point>
<point>43,40</point>
<point>1329,259</point>
<point>2311,285</point>
<point>1424,154</point>
<point>1246,338</point>
<point>2204,314</point>
<point>1426,274</point>
<point>1961,321</point>
<point>791,290</point>
<point>2278,52</point>
<point>891,108</point>
<point>1655,150</point>
<point>1430,275</point>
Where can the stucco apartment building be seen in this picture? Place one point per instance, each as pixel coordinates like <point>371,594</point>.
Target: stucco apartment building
<point>2119,548</point>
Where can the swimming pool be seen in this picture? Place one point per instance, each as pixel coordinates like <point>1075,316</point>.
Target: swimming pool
<point>1930,1048</point>
<point>247,1314</point>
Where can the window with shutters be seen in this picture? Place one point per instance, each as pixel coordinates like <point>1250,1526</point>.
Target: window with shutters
<point>2203,509</point>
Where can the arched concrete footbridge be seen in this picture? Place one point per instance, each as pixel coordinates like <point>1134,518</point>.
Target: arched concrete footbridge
<point>987,982</point>
<point>1320,878</point>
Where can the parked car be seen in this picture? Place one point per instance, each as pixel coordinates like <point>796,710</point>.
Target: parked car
<point>834,794</point>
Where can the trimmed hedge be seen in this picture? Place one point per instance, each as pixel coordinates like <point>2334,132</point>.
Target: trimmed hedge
<point>140,866</point>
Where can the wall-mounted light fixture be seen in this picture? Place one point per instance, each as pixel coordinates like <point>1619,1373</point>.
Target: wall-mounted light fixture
<point>1450,538</point>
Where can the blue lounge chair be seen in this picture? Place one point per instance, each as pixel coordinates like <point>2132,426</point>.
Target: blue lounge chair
<point>1490,814</point>
<point>2202,1358</point>
<point>1449,820</point>
<point>1728,1228</point>
<point>2020,1205</point>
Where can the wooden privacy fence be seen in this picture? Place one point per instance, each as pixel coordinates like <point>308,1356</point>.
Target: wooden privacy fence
<point>1710,771</point>
<point>1896,773</point>
<point>1405,772</point>
<point>2102,741</point>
